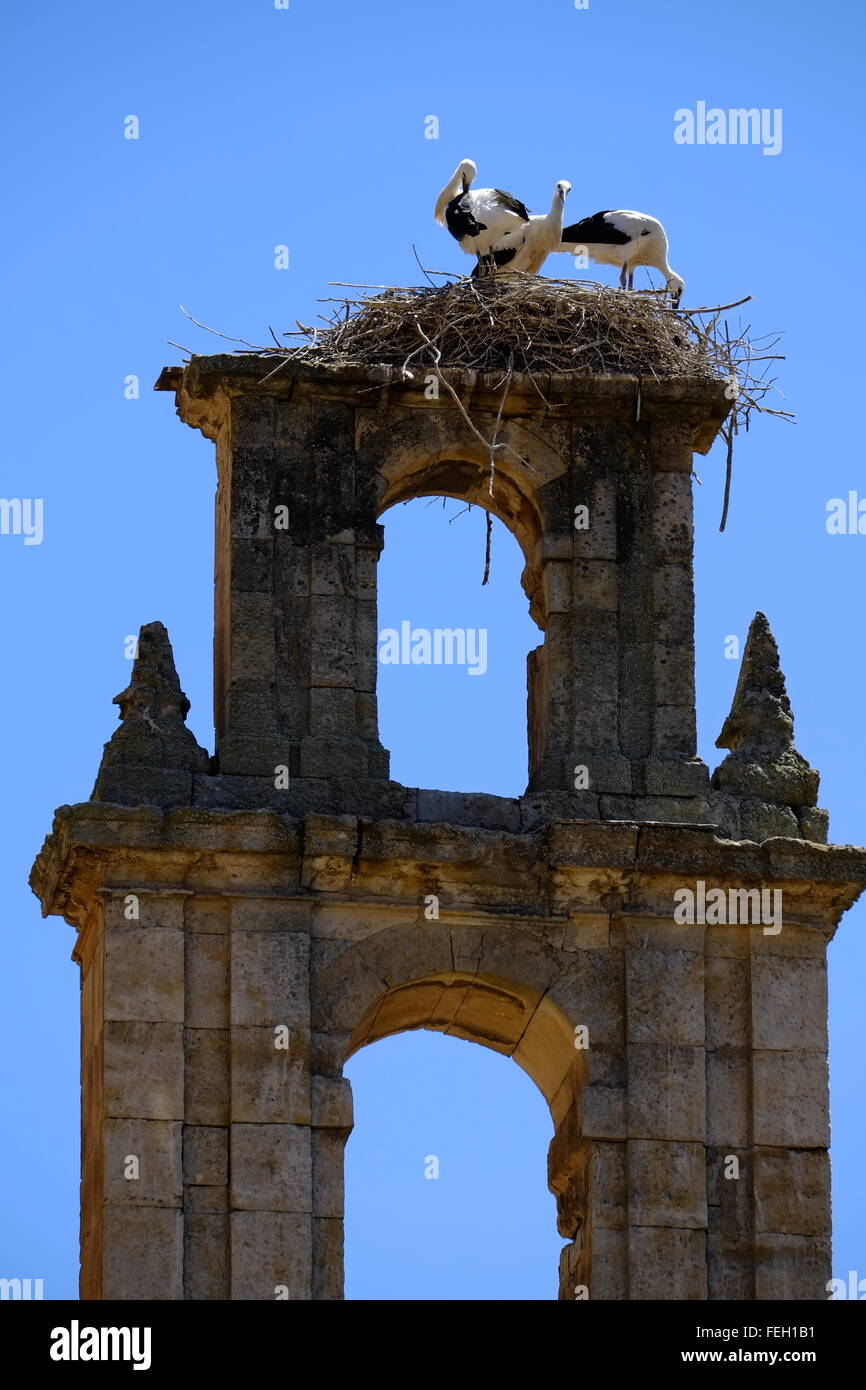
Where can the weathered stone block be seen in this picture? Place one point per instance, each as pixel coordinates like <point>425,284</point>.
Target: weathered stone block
<point>608,1187</point>
<point>674,674</point>
<point>203,914</point>
<point>791,1099</point>
<point>153,909</point>
<point>666,1091</point>
<point>205,1155</point>
<point>144,1070</point>
<point>327,1147</point>
<point>134,785</point>
<point>327,1259</point>
<point>143,1253</point>
<point>206,1199</point>
<point>730,1271</point>
<point>667,1264</point>
<point>672,523</point>
<point>592,995</point>
<point>675,777</point>
<point>252,565</point>
<point>729,1096</point>
<point>595,583</point>
<point>207,980</point>
<point>332,715</point>
<point>730,1192</point>
<point>271,1168</point>
<point>144,975</point>
<point>674,730</point>
<point>331,1102</point>
<point>665,992</point>
<point>247,756</point>
<point>667,1184</point>
<point>776,983</point>
<point>792,1268</point>
<point>333,757</point>
<point>255,913</point>
<point>609,1277</point>
<point>269,978</point>
<point>727,997</point>
<point>271,1255</point>
<point>206,1272</point>
<point>792,1191</point>
<point>142,1162</point>
<point>674,603</point>
<point>270,1083</point>
<point>206,1076</point>
<point>252,635</point>
<point>605,1112</point>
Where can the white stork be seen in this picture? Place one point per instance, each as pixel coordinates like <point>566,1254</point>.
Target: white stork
<point>528,246</point>
<point>627,239</point>
<point>477,218</point>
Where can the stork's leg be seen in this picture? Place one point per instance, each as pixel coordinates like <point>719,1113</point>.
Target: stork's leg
<point>622,275</point>
<point>631,278</point>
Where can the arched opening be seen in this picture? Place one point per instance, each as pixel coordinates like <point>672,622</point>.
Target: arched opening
<point>446,1192</point>
<point>452,652</point>
<point>506,1152</point>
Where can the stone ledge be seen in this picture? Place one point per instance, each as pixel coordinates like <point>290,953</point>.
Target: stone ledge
<point>553,865</point>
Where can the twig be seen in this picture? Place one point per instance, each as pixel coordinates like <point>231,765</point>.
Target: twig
<point>493,445</point>
<point>420,266</point>
<point>713,309</point>
<point>217,333</point>
<point>487,549</point>
<point>460,406</point>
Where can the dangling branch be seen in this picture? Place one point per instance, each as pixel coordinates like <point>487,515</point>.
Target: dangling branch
<point>487,549</point>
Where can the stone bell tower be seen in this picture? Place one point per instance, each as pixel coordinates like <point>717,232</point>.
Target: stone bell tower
<point>248,920</point>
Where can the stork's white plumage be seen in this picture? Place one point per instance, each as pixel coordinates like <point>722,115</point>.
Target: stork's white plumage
<point>477,218</point>
<point>527,248</point>
<point>627,239</point>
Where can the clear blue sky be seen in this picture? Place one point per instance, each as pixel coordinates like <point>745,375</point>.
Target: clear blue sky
<point>305,127</point>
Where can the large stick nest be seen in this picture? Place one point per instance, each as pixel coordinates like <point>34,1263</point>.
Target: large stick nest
<point>530,325</point>
<point>522,322</point>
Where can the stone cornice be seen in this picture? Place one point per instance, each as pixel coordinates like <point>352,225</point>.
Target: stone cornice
<point>203,389</point>
<point>559,867</point>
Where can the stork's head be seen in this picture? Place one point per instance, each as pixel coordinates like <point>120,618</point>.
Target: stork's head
<point>675,286</point>
<point>466,173</point>
<point>563,188</point>
<point>460,180</point>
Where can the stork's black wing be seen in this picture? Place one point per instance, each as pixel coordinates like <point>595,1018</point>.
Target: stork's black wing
<point>460,221</point>
<point>513,204</point>
<point>595,229</point>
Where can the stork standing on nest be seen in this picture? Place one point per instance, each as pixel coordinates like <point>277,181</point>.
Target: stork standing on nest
<point>627,239</point>
<point>528,246</point>
<point>477,218</point>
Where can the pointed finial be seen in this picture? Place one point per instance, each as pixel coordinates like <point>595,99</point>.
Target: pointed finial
<point>760,719</point>
<point>774,786</point>
<point>152,733</point>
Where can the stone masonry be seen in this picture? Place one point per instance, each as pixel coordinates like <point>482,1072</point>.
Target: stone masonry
<point>246,921</point>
